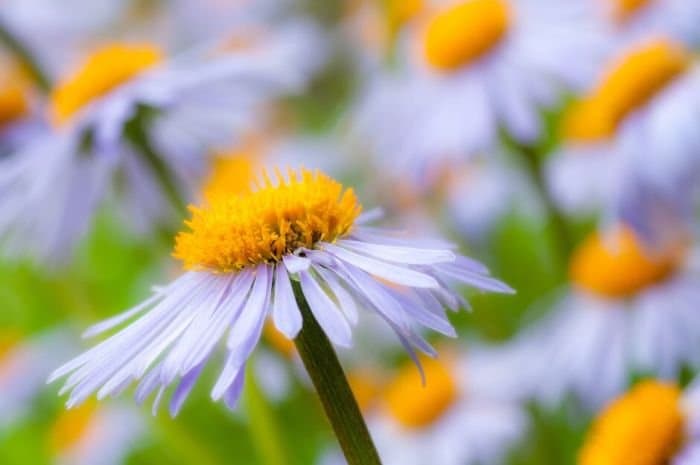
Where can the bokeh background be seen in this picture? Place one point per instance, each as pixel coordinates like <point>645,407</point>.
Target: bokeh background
<point>351,116</point>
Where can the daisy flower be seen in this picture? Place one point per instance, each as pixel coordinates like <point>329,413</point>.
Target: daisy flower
<point>632,134</point>
<point>654,423</point>
<point>456,87</point>
<point>456,418</point>
<point>18,102</point>
<point>629,311</point>
<point>128,120</point>
<point>95,434</point>
<point>245,257</point>
<point>24,365</point>
<point>630,19</point>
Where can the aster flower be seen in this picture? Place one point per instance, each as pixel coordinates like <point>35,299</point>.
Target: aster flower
<point>630,143</point>
<point>131,122</point>
<point>245,256</point>
<point>93,433</point>
<point>654,423</point>
<point>459,417</point>
<point>450,98</point>
<point>629,311</point>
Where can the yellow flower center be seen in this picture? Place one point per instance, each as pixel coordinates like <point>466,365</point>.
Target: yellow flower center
<point>464,32</point>
<point>108,68</point>
<point>266,224</point>
<point>629,84</point>
<point>623,10</point>
<point>415,405</point>
<point>231,174</point>
<point>366,387</point>
<point>278,341</point>
<point>71,426</point>
<point>618,266</point>
<point>14,94</point>
<point>643,427</point>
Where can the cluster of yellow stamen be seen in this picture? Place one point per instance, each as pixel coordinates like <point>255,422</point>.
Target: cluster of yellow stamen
<point>414,405</point>
<point>623,10</point>
<point>264,225</point>
<point>464,32</point>
<point>630,83</point>
<point>643,427</point>
<point>107,68</point>
<point>71,426</point>
<point>617,265</point>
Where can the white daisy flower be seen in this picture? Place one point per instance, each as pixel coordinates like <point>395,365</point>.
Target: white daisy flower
<point>633,134</point>
<point>654,423</point>
<point>24,366</point>
<point>456,418</point>
<point>128,119</point>
<point>451,98</point>
<point>628,312</point>
<point>245,257</point>
<point>633,19</point>
<point>92,434</point>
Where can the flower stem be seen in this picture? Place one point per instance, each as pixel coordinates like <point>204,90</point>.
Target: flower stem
<point>263,427</point>
<point>24,56</point>
<point>135,132</point>
<point>338,401</point>
<point>557,222</point>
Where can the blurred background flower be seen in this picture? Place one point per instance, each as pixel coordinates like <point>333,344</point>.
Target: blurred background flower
<point>555,142</point>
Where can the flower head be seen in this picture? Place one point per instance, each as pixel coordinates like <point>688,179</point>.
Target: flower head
<point>109,67</point>
<point>646,426</point>
<point>243,256</point>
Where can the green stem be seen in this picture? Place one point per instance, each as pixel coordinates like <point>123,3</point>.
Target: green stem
<point>24,56</point>
<point>136,134</point>
<point>556,220</point>
<point>338,401</point>
<point>263,426</point>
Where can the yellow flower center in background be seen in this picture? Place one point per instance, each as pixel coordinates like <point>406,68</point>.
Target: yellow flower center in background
<point>464,32</point>
<point>623,10</point>
<point>366,387</point>
<point>618,266</point>
<point>630,83</point>
<point>71,426</point>
<point>108,68</point>
<point>415,405</point>
<point>643,427</point>
<point>400,12</point>
<point>263,225</point>
<point>14,94</point>
<point>278,341</point>
<point>231,174</point>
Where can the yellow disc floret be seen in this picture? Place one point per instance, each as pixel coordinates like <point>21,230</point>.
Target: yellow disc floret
<point>643,427</point>
<point>623,10</point>
<point>464,32</point>
<point>268,223</point>
<point>630,83</point>
<point>415,405</point>
<point>618,266</point>
<point>108,68</point>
